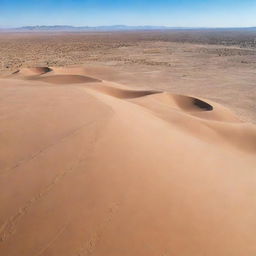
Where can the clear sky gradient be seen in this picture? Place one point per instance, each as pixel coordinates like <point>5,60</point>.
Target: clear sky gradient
<point>174,13</point>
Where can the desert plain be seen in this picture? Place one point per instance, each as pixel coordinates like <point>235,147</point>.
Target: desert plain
<point>128,143</point>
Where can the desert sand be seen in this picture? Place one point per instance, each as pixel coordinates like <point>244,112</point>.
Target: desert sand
<point>219,65</point>
<point>93,167</point>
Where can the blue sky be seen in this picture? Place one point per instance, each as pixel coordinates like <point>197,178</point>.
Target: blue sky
<point>181,13</point>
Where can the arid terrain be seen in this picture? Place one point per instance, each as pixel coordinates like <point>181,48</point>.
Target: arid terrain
<point>218,65</point>
<point>131,143</point>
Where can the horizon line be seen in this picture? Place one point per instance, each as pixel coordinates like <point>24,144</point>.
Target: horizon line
<point>123,25</point>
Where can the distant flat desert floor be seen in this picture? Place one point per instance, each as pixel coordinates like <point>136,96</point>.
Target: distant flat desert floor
<point>217,65</point>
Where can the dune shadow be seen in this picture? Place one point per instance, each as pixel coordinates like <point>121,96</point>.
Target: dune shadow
<point>202,105</point>
<point>191,104</point>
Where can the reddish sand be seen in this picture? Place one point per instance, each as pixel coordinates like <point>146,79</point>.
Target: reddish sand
<point>90,167</point>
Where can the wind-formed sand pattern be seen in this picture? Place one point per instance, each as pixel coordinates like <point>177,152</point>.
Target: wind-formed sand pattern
<point>92,167</point>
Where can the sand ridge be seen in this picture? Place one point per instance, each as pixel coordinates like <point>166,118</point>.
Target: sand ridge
<point>93,167</point>
<point>32,71</point>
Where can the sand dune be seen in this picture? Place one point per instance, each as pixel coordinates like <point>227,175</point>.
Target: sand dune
<point>96,168</point>
<point>122,93</point>
<point>67,79</point>
<point>33,71</point>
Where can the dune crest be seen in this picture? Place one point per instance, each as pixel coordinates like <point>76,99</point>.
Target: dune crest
<point>96,168</point>
<point>33,71</point>
<point>67,79</point>
<point>123,93</point>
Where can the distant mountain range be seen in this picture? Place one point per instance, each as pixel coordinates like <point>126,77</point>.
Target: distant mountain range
<point>111,28</point>
<point>87,28</point>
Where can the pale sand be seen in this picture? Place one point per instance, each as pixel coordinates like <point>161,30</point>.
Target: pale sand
<point>91,167</point>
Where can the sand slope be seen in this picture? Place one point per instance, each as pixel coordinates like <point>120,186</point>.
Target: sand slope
<point>90,167</point>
